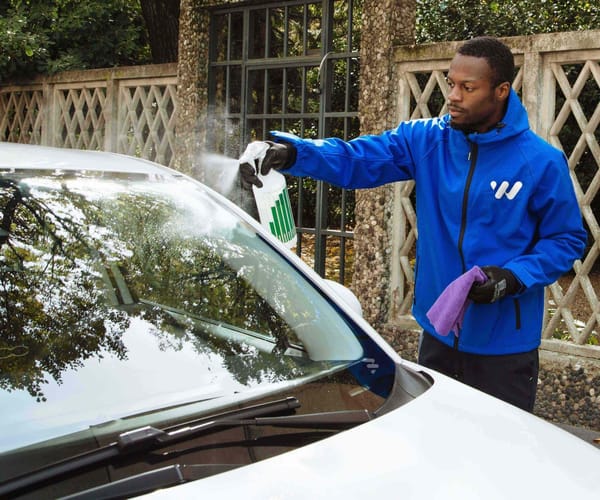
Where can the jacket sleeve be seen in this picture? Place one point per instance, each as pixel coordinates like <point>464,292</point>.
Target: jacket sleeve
<point>561,237</point>
<point>365,162</point>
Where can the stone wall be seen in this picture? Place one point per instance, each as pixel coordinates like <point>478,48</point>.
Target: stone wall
<point>192,91</point>
<point>569,389</point>
<point>385,24</point>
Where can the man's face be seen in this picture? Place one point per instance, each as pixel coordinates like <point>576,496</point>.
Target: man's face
<point>474,104</point>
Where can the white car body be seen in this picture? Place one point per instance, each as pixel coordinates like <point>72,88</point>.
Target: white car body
<point>452,442</point>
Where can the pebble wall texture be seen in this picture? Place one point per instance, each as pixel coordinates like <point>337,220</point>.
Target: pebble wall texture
<point>569,386</point>
<point>385,24</point>
<point>569,390</point>
<point>192,92</point>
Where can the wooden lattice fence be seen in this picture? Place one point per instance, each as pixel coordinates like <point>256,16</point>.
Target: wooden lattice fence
<point>126,110</point>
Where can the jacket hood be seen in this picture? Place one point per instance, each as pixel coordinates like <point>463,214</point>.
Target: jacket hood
<point>514,122</point>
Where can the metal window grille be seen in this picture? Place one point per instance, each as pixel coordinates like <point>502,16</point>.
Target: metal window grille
<point>291,66</point>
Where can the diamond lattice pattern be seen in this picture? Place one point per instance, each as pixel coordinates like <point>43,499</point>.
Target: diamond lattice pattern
<point>20,117</point>
<point>135,116</point>
<point>575,131</point>
<point>81,117</point>
<point>147,121</point>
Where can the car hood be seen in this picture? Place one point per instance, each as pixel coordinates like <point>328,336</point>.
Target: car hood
<point>452,442</point>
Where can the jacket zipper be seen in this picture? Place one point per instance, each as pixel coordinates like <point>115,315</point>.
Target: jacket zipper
<point>463,222</point>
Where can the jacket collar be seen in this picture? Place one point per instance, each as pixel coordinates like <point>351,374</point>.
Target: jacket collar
<point>514,122</point>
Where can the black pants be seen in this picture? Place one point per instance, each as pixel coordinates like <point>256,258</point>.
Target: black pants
<point>511,377</point>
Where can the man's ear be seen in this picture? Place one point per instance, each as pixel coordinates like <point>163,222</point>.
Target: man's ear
<point>503,91</point>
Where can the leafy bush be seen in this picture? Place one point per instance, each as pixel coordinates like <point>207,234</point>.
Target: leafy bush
<point>48,36</point>
<point>447,20</point>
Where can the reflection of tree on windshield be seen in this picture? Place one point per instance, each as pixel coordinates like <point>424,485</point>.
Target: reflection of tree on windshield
<point>187,271</point>
<point>51,315</point>
<point>68,258</point>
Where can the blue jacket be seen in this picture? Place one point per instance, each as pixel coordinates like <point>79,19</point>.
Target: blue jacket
<point>502,198</point>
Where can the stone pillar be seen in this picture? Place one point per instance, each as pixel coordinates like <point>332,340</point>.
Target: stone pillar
<point>385,24</point>
<point>192,89</point>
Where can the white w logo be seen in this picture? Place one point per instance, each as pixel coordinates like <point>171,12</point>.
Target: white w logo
<point>502,189</point>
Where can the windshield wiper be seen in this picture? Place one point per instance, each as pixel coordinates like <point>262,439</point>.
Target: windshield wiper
<point>141,440</point>
<point>150,438</point>
<point>146,482</point>
<point>176,474</point>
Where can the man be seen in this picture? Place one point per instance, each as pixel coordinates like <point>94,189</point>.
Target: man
<point>491,196</point>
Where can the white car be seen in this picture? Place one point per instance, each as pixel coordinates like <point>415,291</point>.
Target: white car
<point>155,340</point>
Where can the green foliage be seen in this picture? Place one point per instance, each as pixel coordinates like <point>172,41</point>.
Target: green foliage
<point>463,19</point>
<point>20,49</point>
<point>48,36</point>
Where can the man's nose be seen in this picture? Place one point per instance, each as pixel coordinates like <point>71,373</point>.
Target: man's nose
<point>455,94</point>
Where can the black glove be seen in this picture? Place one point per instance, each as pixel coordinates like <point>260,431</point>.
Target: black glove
<point>280,155</point>
<point>501,282</point>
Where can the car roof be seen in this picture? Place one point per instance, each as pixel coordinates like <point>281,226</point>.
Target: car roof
<point>28,156</point>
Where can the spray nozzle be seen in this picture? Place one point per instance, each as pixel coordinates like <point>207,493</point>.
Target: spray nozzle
<point>254,155</point>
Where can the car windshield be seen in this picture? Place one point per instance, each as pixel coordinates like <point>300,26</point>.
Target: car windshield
<point>141,311</point>
<point>130,299</point>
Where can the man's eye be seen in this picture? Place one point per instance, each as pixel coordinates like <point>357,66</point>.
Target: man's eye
<point>469,89</point>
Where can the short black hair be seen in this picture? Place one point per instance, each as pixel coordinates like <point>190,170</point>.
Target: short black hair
<point>497,54</point>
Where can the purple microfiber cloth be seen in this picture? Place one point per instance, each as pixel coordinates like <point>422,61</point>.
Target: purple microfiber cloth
<point>448,311</point>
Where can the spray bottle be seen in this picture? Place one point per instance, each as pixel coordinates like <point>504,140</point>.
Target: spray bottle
<point>272,199</point>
